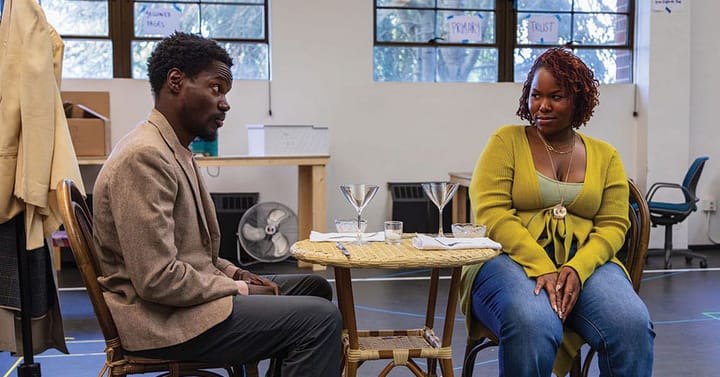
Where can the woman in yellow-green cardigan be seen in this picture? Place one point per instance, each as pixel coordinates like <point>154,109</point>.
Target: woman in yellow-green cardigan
<point>557,201</point>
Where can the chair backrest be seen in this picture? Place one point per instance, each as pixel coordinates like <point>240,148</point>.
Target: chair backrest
<point>637,238</point>
<point>79,227</point>
<point>693,176</point>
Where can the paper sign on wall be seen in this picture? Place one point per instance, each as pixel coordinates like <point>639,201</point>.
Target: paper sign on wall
<point>667,5</point>
<point>160,20</point>
<point>543,28</point>
<point>462,29</point>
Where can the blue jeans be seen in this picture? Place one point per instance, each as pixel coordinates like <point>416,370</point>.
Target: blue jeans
<point>609,315</point>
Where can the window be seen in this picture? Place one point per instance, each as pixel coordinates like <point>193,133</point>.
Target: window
<point>105,39</point>
<point>422,40</point>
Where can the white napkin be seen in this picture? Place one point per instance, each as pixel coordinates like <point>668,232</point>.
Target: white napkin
<point>335,237</point>
<point>421,241</point>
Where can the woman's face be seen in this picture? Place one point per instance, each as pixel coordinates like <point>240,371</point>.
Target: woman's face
<point>550,106</point>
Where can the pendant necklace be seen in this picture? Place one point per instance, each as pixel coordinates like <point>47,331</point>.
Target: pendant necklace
<point>559,211</point>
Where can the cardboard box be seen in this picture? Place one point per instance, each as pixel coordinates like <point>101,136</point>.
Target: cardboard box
<point>284,140</point>
<point>89,122</point>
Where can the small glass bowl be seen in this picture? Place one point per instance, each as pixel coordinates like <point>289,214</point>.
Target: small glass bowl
<point>350,226</point>
<point>466,230</point>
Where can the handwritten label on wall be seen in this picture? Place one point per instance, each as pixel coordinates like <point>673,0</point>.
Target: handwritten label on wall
<point>667,5</point>
<point>463,29</point>
<point>543,28</point>
<point>160,20</point>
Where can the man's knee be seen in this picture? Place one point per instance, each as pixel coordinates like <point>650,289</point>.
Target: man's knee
<point>320,287</point>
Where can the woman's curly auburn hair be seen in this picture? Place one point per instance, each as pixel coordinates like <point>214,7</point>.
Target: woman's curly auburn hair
<point>573,75</point>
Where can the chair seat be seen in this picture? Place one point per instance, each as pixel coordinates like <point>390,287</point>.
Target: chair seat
<point>660,207</point>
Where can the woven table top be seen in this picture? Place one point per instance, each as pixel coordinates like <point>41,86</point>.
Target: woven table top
<point>382,255</point>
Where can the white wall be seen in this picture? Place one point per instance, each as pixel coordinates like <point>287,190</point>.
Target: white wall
<point>379,132</point>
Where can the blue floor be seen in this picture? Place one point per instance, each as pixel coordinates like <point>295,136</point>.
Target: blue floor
<point>684,304</point>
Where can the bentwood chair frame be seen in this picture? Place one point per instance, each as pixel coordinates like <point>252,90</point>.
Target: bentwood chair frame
<point>636,247</point>
<point>78,224</point>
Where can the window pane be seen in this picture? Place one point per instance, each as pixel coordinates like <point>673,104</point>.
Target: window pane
<point>406,3</point>
<point>467,4</point>
<point>250,60</point>
<point>609,65</point>
<point>602,6</point>
<point>457,64</point>
<point>600,29</point>
<point>140,51</point>
<point>488,19</point>
<point>87,59</point>
<point>524,59</point>
<point>77,17</point>
<point>523,29</point>
<point>545,5</point>
<point>235,1</point>
<point>233,21</point>
<point>395,25</point>
<point>189,17</point>
<point>404,64</point>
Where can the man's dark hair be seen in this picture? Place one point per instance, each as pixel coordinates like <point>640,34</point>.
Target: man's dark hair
<point>189,53</point>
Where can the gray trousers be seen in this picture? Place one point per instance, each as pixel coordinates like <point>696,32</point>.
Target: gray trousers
<point>301,329</point>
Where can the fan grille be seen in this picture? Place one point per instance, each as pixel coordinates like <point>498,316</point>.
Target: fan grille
<point>267,230</point>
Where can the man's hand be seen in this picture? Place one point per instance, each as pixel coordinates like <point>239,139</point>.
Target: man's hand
<point>548,282</point>
<point>567,290</point>
<point>256,285</point>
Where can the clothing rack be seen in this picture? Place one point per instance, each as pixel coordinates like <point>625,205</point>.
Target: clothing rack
<point>29,368</point>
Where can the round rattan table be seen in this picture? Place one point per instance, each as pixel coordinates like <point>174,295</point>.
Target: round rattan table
<point>401,346</point>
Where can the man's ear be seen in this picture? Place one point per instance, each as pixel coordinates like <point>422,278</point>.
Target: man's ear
<point>175,79</point>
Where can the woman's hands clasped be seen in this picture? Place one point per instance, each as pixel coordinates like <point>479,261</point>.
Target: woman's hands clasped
<point>562,287</point>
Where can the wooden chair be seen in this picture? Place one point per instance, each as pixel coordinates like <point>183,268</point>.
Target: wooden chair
<point>78,224</point>
<point>632,254</point>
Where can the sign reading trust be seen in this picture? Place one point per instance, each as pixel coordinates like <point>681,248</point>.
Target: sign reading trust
<point>159,20</point>
<point>543,28</point>
<point>463,29</point>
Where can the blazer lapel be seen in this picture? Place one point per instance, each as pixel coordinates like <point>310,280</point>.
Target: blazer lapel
<point>188,166</point>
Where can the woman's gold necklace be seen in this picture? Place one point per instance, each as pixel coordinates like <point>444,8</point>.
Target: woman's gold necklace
<point>550,148</point>
<point>559,211</point>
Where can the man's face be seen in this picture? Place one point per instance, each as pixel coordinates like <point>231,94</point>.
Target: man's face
<point>204,103</point>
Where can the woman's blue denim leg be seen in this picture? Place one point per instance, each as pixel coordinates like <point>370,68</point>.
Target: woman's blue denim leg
<point>530,331</point>
<point>611,317</point>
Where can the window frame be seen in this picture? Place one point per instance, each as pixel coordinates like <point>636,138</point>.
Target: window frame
<point>506,21</point>
<point>121,32</point>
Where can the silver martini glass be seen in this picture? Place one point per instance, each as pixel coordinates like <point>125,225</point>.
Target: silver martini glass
<point>440,193</point>
<point>359,195</point>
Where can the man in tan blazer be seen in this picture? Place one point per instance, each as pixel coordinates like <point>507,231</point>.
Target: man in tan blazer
<point>170,294</point>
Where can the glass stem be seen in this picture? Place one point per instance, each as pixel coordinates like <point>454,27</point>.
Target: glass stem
<point>359,231</point>
<point>440,223</point>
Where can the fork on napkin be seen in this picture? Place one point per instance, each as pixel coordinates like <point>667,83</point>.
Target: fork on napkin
<point>342,237</point>
<point>422,241</point>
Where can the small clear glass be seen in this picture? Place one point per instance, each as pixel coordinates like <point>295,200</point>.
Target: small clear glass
<point>466,230</point>
<point>393,232</point>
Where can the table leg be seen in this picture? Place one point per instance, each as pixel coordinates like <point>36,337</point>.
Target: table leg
<point>446,364</point>
<point>430,313</point>
<point>343,286</point>
<point>311,204</point>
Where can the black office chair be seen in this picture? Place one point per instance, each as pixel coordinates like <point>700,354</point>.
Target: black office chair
<point>671,213</point>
